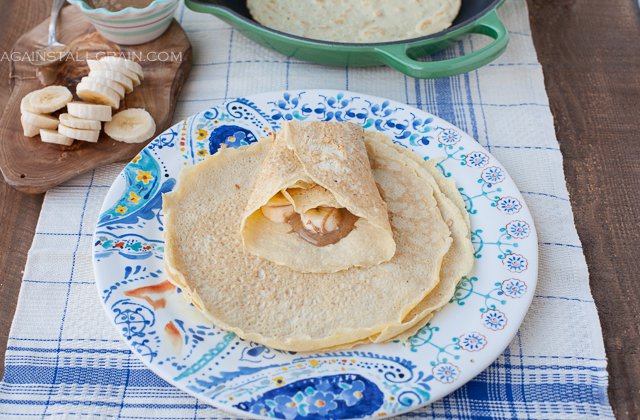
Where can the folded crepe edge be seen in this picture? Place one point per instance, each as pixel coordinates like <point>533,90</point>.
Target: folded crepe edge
<point>174,275</point>
<point>284,162</point>
<point>445,196</point>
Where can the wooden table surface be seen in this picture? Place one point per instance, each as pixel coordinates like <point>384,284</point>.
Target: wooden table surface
<point>590,53</point>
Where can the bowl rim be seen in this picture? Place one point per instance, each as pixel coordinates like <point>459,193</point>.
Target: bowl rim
<point>86,8</point>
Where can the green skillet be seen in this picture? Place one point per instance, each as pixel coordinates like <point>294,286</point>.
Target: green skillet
<point>475,17</point>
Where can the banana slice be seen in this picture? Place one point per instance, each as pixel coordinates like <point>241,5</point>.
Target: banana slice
<point>75,133</point>
<point>39,120</point>
<point>80,123</point>
<point>278,209</point>
<point>129,64</point>
<point>52,136</point>
<point>321,220</point>
<point>89,111</point>
<point>27,129</point>
<point>25,104</point>
<point>116,77</point>
<point>117,87</point>
<point>97,93</point>
<point>32,123</point>
<point>133,125</point>
<point>48,99</point>
<point>95,65</point>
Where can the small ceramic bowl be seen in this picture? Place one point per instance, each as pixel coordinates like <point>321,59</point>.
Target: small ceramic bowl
<point>130,26</point>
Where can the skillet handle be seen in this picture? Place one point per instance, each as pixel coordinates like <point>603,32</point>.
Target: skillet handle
<point>398,56</point>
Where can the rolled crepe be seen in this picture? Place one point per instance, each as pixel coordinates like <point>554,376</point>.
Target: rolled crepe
<point>318,166</point>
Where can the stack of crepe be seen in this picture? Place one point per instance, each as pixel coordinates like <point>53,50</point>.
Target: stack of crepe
<point>325,236</point>
<point>360,21</point>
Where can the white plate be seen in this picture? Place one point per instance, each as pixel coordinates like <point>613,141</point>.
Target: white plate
<point>248,379</point>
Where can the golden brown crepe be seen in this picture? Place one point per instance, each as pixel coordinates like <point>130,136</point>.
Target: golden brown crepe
<point>459,259</point>
<point>286,309</point>
<point>361,21</point>
<point>318,164</point>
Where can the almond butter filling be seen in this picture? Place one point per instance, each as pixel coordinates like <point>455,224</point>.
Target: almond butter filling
<point>321,236</point>
<point>320,226</point>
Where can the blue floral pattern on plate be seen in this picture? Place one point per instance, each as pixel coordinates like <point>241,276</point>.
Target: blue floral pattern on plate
<point>249,379</point>
<point>514,288</point>
<point>472,341</point>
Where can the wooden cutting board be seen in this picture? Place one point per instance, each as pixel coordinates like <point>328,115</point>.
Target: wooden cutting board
<point>32,166</point>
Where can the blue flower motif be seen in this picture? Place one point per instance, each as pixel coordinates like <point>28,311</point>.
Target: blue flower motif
<point>514,288</point>
<point>289,108</point>
<point>286,406</point>
<point>352,393</point>
<point>509,205</point>
<point>342,107</point>
<point>492,175</point>
<point>323,386</point>
<point>236,140</point>
<point>321,403</point>
<point>338,102</point>
<point>494,319</point>
<point>164,140</point>
<point>260,409</point>
<point>515,262</point>
<point>448,137</point>
<point>255,353</point>
<point>230,135</point>
<point>472,341</point>
<point>132,318</point>
<point>477,159</point>
<point>446,372</point>
<point>518,229</point>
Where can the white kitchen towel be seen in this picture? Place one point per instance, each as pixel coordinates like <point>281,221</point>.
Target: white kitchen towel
<point>65,359</point>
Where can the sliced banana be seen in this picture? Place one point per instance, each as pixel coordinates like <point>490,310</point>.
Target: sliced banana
<point>116,77</point>
<point>129,64</point>
<point>109,80</point>
<point>27,129</point>
<point>25,104</point>
<point>48,99</point>
<point>39,120</point>
<point>80,123</point>
<point>75,133</point>
<point>52,136</point>
<point>95,65</point>
<point>32,123</point>
<point>117,87</point>
<point>133,125</point>
<point>97,93</point>
<point>278,209</point>
<point>89,111</point>
<point>321,220</point>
